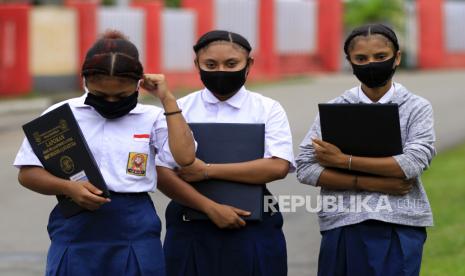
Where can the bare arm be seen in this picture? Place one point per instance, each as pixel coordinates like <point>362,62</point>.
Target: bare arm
<point>178,190</point>
<point>336,180</point>
<point>260,171</point>
<point>329,155</point>
<point>223,216</point>
<point>180,138</point>
<point>39,180</point>
<point>383,166</point>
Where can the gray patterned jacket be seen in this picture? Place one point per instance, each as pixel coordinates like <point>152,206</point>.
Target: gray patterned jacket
<point>416,123</point>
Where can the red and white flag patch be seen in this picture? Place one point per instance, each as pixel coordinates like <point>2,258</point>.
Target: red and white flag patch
<point>142,137</point>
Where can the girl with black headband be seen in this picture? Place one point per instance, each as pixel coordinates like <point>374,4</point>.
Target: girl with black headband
<point>378,242</point>
<point>120,235</point>
<point>225,244</point>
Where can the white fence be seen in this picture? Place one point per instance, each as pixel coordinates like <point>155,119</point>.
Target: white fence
<point>178,36</point>
<point>296,26</point>
<point>409,43</point>
<point>295,23</point>
<point>454,23</point>
<point>130,21</point>
<point>240,16</point>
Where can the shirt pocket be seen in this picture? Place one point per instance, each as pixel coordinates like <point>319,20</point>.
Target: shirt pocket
<point>139,155</point>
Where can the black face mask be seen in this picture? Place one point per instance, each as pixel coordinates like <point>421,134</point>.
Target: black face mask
<point>112,110</point>
<point>223,82</point>
<point>375,74</point>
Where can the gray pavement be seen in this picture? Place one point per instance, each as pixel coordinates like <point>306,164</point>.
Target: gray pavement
<point>24,214</point>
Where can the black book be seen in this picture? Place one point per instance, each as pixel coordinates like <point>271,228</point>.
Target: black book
<point>229,143</point>
<point>369,130</point>
<point>58,142</point>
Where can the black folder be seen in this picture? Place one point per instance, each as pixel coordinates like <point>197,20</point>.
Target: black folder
<point>229,143</point>
<point>369,130</point>
<point>58,142</point>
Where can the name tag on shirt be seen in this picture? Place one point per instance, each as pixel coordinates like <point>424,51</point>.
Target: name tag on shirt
<point>142,138</point>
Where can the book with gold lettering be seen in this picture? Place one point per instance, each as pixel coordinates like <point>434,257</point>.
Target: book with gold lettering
<point>58,142</point>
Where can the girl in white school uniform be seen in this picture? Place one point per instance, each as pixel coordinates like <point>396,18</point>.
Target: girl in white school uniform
<point>371,241</point>
<point>121,235</point>
<point>226,245</point>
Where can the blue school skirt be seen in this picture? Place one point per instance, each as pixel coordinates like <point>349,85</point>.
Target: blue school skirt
<point>200,248</point>
<point>371,248</point>
<point>121,238</point>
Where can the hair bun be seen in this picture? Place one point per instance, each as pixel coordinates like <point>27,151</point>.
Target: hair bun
<point>113,55</point>
<point>113,34</point>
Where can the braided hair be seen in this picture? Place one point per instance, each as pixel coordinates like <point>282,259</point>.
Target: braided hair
<point>112,55</point>
<point>371,29</point>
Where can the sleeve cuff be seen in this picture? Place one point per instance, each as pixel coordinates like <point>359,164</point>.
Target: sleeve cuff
<point>287,157</point>
<point>405,165</point>
<point>310,175</point>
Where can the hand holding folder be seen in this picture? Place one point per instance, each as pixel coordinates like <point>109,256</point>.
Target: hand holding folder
<point>59,144</point>
<point>357,130</point>
<point>229,143</point>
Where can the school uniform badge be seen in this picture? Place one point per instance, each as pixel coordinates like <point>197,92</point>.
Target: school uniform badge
<point>137,164</point>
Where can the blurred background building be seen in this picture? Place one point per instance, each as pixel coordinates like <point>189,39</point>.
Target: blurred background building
<point>42,42</point>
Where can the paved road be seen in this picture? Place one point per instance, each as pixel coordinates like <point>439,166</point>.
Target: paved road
<point>24,214</point>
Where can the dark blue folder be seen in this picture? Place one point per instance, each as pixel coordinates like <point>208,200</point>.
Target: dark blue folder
<point>58,142</point>
<point>229,143</point>
<point>371,130</point>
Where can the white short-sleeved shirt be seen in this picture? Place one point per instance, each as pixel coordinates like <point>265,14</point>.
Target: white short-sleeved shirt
<point>124,148</point>
<point>244,107</point>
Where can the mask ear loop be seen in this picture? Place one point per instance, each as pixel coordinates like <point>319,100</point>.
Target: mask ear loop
<point>139,82</point>
<point>84,85</point>
<point>247,66</point>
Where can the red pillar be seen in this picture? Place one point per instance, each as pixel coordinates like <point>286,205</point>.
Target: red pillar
<point>205,10</point>
<point>87,25</point>
<point>153,33</point>
<point>15,77</point>
<point>330,33</point>
<point>431,51</point>
<point>267,55</point>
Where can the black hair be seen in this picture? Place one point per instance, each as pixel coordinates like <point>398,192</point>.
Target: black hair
<point>113,55</point>
<point>371,29</point>
<point>220,35</point>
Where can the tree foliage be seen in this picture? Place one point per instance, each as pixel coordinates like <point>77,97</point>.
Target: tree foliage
<point>173,3</point>
<point>359,12</point>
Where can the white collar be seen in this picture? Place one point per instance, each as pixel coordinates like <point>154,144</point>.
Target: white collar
<point>235,101</point>
<point>363,98</point>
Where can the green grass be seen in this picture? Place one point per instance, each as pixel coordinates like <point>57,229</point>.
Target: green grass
<point>444,252</point>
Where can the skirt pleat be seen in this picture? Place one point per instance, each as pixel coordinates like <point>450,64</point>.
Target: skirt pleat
<point>121,238</point>
<point>372,248</point>
<point>200,248</point>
